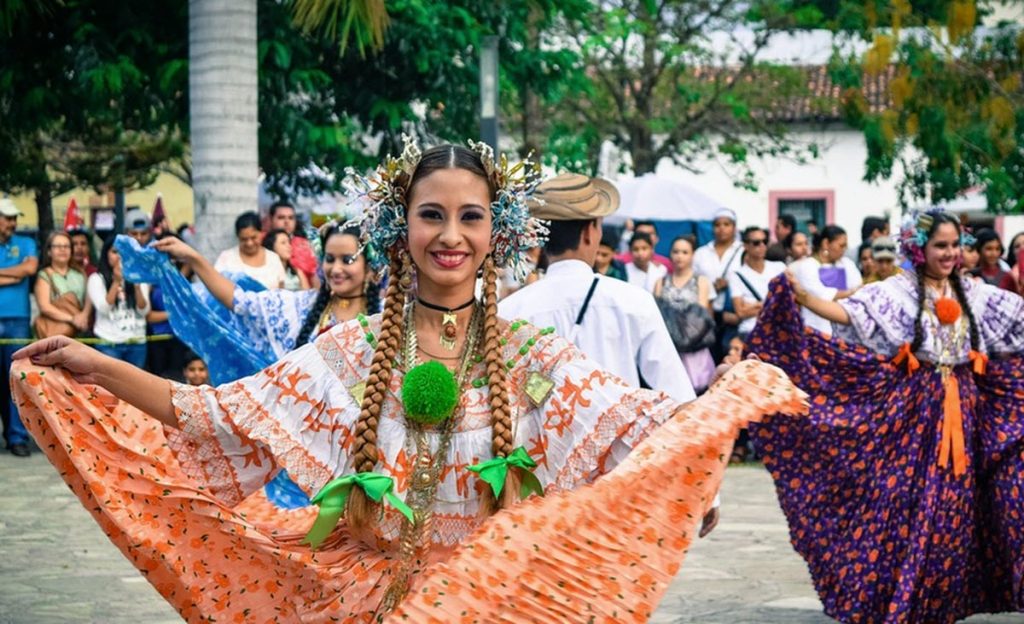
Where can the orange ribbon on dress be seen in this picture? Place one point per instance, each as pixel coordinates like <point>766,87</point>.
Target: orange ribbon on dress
<point>906,354</point>
<point>952,445</point>
<point>952,427</point>
<point>979,360</point>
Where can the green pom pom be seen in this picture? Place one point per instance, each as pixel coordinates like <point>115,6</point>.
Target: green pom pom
<point>429,393</point>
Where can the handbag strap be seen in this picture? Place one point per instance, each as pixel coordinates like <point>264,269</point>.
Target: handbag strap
<point>729,263</point>
<point>749,286</point>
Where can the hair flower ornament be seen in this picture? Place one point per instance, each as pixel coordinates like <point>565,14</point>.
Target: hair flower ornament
<point>915,230</point>
<point>383,224</point>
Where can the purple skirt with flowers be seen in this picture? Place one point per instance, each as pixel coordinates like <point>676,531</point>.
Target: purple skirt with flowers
<point>889,535</point>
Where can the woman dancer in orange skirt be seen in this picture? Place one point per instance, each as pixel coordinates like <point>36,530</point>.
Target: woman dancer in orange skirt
<point>426,434</point>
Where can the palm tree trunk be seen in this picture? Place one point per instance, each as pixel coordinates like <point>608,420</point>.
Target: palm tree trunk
<point>222,113</point>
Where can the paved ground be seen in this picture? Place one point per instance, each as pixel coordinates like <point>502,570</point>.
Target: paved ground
<point>56,566</point>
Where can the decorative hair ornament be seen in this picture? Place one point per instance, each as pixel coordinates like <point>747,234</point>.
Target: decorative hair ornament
<point>513,230</point>
<point>914,234</point>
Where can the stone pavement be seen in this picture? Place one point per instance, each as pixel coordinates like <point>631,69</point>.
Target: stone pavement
<point>56,566</point>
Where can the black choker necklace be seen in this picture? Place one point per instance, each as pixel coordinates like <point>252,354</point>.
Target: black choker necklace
<point>449,322</point>
<point>344,301</point>
<point>434,306</point>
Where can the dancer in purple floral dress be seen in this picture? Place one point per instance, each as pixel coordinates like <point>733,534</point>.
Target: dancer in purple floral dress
<point>903,490</point>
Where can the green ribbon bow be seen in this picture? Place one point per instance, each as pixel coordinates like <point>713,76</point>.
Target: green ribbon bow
<point>332,498</point>
<point>494,471</point>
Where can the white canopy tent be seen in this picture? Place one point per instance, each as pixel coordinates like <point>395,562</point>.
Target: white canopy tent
<point>653,198</point>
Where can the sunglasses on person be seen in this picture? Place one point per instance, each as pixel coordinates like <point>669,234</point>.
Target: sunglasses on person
<point>756,241</point>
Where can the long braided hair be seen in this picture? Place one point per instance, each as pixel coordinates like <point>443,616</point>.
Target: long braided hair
<point>365,451</point>
<point>323,296</point>
<point>955,282</point>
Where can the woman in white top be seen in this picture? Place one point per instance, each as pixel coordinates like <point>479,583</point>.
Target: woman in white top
<point>121,309</point>
<point>280,242</point>
<point>249,256</point>
<point>827,273</point>
<point>643,271</point>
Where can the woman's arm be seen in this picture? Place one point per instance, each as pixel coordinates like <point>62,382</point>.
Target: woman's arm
<point>113,291</point>
<point>746,310</point>
<point>98,293</point>
<point>149,393</point>
<point>141,299</point>
<point>657,289</point>
<point>303,280</point>
<point>82,318</point>
<point>704,292</point>
<point>828,310</point>
<point>219,286</point>
<point>46,307</point>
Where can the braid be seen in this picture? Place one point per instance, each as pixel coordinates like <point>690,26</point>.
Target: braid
<point>364,449</point>
<point>918,331</point>
<point>961,296</point>
<point>323,297</point>
<point>501,417</point>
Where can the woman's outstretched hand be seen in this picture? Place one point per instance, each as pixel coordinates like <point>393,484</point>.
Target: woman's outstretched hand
<point>177,249</point>
<point>84,363</point>
<point>799,292</point>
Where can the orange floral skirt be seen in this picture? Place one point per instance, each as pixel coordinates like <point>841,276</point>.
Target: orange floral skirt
<point>605,552</point>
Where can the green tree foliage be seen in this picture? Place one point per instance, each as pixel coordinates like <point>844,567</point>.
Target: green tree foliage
<point>91,93</point>
<point>651,77</point>
<point>362,22</point>
<point>319,103</point>
<point>954,112</point>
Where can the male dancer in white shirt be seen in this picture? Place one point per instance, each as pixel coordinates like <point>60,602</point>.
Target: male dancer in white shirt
<point>614,322</point>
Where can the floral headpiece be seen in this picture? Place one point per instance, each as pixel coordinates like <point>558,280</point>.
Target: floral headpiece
<point>914,234</point>
<point>513,230</point>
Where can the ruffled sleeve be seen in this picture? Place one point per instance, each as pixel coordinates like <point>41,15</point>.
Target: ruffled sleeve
<point>293,414</point>
<point>1000,316</point>
<point>879,315</point>
<point>273,315</point>
<point>589,419</point>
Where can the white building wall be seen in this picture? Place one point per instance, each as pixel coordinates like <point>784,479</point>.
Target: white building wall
<point>840,169</point>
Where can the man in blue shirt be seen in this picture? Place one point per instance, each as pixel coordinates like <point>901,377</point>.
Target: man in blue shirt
<point>18,263</point>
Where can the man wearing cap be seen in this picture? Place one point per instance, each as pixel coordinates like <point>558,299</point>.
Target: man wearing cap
<point>718,259</point>
<point>137,225</point>
<point>18,263</point>
<point>613,322</point>
<point>883,252</point>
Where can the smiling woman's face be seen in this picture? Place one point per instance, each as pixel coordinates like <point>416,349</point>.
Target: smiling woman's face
<point>449,231</point>
<point>344,267</point>
<point>942,251</point>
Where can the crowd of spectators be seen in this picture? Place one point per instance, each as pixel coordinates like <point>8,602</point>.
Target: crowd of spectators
<point>66,287</point>
<point>709,295</point>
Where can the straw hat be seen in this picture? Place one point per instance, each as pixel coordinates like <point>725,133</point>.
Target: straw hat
<point>571,196</point>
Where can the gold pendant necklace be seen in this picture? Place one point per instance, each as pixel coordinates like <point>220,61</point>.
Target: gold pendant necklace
<point>449,322</point>
<point>449,330</point>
